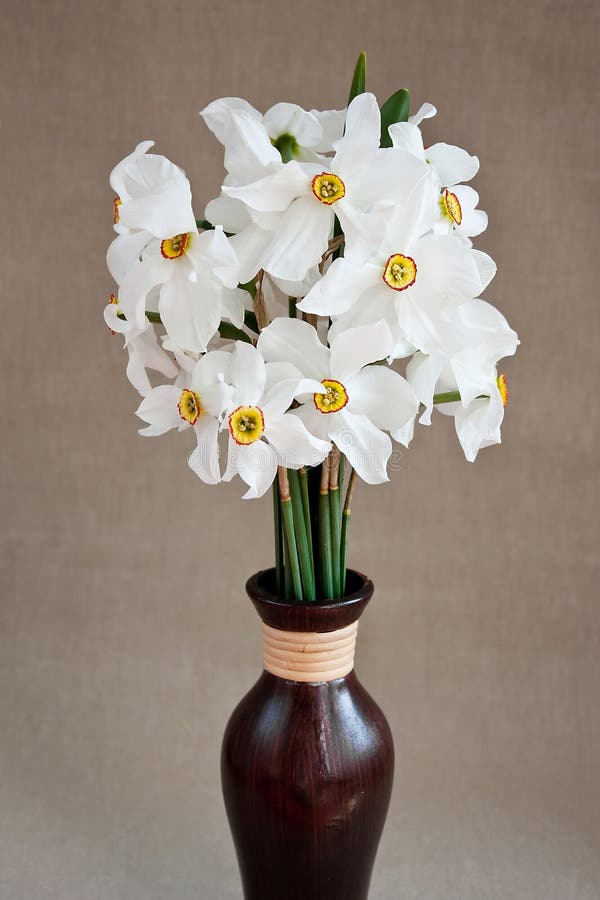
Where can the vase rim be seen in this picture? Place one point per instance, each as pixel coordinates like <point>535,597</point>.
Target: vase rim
<point>317,616</point>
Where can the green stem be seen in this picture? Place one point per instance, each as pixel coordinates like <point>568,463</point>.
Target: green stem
<point>345,528</point>
<point>278,539</point>
<point>454,397</point>
<point>336,535</point>
<point>204,224</point>
<point>306,569</point>
<point>325,534</point>
<point>287,571</point>
<point>334,520</point>
<point>447,397</point>
<point>292,312</point>
<point>287,514</point>
<point>344,548</point>
<point>303,476</point>
<point>226,329</point>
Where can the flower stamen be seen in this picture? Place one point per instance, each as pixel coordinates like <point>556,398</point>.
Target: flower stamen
<point>328,188</point>
<point>400,272</point>
<point>334,398</point>
<point>189,406</point>
<point>117,202</point>
<point>246,424</point>
<point>450,207</point>
<point>173,248</point>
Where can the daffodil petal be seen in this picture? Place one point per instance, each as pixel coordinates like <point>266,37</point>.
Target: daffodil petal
<point>295,445</point>
<point>367,448</point>
<point>357,347</point>
<point>339,288</point>
<point>248,374</point>
<point>204,459</point>
<point>297,342</point>
<point>300,240</point>
<point>384,396</point>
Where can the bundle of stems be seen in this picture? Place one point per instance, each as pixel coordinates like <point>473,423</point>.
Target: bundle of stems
<point>311,530</point>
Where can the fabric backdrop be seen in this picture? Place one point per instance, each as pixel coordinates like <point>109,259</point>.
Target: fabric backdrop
<point>126,636</point>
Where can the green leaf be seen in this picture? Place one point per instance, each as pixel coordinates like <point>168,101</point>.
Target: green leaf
<point>359,78</point>
<point>231,333</point>
<point>395,109</point>
<point>250,321</point>
<point>250,287</point>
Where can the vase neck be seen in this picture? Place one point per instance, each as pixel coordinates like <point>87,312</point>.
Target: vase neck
<point>309,656</point>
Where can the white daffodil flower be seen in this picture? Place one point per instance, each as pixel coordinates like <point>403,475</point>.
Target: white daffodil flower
<point>448,166</point>
<point>262,433</point>
<point>153,200</point>
<point>475,337</point>
<point>294,207</point>
<point>197,276</point>
<point>457,213</point>
<point>409,281</point>
<point>234,123</point>
<point>356,402</point>
<point>251,143</point>
<point>478,422</point>
<point>451,165</point>
<point>196,400</point>
<point>144,351</point>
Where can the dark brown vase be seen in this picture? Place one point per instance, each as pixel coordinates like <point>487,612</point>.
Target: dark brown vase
<point>307,765</point>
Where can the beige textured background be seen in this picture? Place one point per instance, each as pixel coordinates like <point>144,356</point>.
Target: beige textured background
<point>125,636</point>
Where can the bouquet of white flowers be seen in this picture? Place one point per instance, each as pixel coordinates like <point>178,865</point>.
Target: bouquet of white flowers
<point>339,245</point>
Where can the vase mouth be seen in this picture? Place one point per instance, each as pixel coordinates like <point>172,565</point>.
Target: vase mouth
<point>318,616</point>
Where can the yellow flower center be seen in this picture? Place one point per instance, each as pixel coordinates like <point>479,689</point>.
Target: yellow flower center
<point>334,398</point>
<point>173,248</point>
<point>328,188</point>
<point>400,272</point>
<point>116,204</point>
<point>503,388</point>
<point>189,406</point>
<point>246,424</point>
<point>450,207</point>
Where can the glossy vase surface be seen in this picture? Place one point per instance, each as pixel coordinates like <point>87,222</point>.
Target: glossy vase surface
<point>307,765</point>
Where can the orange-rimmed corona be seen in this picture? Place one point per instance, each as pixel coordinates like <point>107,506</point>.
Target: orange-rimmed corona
<point>334,398</point>
<point>450,206</point>
<point>246,424</point>
<point>503,388</point>
<point>173,248</point>
<point>400,272</point>
<point>189,406</point>
<point>117,202</point>
<point>328,188</point>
